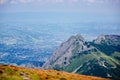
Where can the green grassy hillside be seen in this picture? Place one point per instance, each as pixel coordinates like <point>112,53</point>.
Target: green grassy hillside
<point>20,73</point>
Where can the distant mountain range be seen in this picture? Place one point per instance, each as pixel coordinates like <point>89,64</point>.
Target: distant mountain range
<point>100,57</point>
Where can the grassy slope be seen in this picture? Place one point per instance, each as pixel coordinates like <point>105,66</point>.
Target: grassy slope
<point>19,73</point>
<point>85,59</point>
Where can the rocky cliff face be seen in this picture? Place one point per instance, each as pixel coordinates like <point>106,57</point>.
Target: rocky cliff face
<point>64,53</point>
<point>98,58</point>
<point>108,40</point>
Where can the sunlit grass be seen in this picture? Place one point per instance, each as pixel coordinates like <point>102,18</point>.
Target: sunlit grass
<point>19,73</point>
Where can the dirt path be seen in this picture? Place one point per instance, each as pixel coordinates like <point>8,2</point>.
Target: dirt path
<point>25,77</point>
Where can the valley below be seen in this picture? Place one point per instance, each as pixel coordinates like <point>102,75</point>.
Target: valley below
<point>49,48</point>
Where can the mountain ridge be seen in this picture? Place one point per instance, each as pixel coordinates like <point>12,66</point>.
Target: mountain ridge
<point>80,56</point>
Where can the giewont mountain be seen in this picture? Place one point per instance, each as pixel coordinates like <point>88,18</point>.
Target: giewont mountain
<point>100,57</point>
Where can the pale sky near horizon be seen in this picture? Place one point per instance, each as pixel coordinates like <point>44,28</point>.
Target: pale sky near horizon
<point>102,10</point>
<point>60,5</point>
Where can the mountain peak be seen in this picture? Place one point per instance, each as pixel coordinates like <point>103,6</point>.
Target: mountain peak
<point>99,39</point>
<point>65,49</point>
<point>108,39</point>
<point>76,37</point>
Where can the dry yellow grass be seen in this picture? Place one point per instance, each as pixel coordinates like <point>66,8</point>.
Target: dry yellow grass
<point>20,73</point>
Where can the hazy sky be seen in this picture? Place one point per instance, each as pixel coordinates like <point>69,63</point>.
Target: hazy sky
<point>68,11</point>
<point>63,9</point>
<point>60,5</point>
